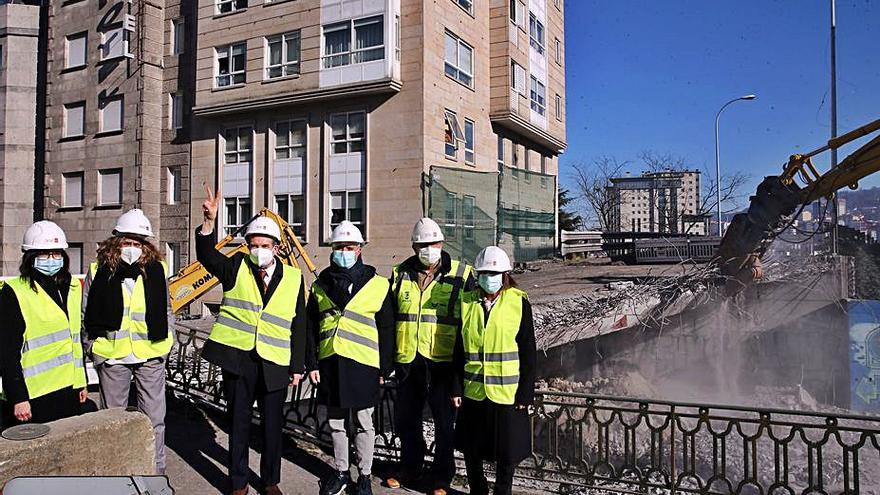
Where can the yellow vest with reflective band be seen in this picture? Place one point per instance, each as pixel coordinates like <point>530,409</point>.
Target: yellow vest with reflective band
<point>243,322</point>
<point>491,354</point>
<point>427,321</point>
<point>352,332</point>
<point>51,355</point>
<point>132,336</point>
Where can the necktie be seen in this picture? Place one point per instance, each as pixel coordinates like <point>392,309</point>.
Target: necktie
<point>263,284</point>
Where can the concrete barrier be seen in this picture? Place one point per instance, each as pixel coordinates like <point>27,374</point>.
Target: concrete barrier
<point>112,442</point>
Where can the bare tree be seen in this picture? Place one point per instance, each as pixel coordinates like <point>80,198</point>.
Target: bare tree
<point>591,183</point>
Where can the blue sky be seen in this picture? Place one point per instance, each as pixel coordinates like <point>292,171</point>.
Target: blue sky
<point>650,75</point>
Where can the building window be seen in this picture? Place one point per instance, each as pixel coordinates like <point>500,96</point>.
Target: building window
<point>459,60</point>
<point>282,55</point>
<point>76,50</point>
<point>173,176</point>
<point>468,141</point>
<point>290,140</point>
<point>227,6</point>
<point>72,189</point>
<point>453,136</point>
<point>558,52</point>
<point>347,205</point>
<point>500,152</point>
<point>238,156</point>
<point>231,62</point>
<point>518,12</point>
<point>175,112</point>
<point>173,257</point>
<point>75,254</point>
<point>468,217</point>
<point>74,119</point>
<point>177,36</point>
<point>536,33</point>
<point>348,134</point>
<point>517,78</point>
<point>110,187</point>
<point>292,208</point>
<point>558,107</point>
<point>467,5</point>
<point>369,42</point>
<point>1,57</point>
<point>449,223</point>
<point>111,115</point>
<point>113,44</point>
<point>539,96</point>
<point>525,224</point>
<point>397,37</point>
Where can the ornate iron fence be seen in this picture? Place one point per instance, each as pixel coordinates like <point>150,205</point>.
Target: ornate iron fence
<point>624,445</point>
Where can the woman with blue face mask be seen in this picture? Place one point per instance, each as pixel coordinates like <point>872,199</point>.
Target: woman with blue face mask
<point>44,375</point>
<point>350,353</point>
<point>495,361</point>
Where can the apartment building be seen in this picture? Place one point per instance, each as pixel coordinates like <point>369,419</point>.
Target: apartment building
<point>380,111</point>
<point>19,39</point>
<point>119,84</point>
<point>374,111</point>
<point>661,202</point>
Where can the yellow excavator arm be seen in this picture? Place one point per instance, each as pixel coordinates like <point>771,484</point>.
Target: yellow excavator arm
<point>193,280</point>
<point>777,198</point>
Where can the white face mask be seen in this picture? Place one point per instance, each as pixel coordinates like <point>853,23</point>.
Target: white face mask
<point>429,255</point>
<point>262,257</point>
<point>131,254</point>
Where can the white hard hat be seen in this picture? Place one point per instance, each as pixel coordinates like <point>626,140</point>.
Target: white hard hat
<point>44,235</point>
<point>346,232</point>
<point>492,259</point>
<point>134,222</point>
<point>426,231</point>
<point>264,226</point>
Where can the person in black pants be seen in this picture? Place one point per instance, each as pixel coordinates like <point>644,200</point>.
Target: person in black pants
<point>250,374</point>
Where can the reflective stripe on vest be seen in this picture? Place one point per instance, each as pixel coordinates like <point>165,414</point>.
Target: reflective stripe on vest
<point>427,321</point>
<point>132,336</point>
<point>243,322</point>
<point>352,332</point>
<point>51,353</point>
<point>491,367</point>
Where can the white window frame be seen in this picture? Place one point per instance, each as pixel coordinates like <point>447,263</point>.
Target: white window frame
<point>105,52</point>
<point>66,177</point>
<point>173,184</point>
<point>239,152</point>
<point>500,152</point>
<point>67,108</point>
<point>173,255</point>
<point>178,36</point>
<point>74,247</point>
<point>558,52</point>
<point>537,33</point>
<point>469,155</point>
<point>346,207</point>
<point>175,110</point>
<point>466,5</point>
<point>558,107</point>
<point>397,37</point>
<point>453,69</point>
<point>287,67</point>
<point>104,106</point>
<point>538,96</point>
<point>290,147</point>
<point>102,173</point>
<point>518,79</point>
<point>228,51</point>
<point>353,55</point>
<point>233,6</point>
<point>349,139</point>
<point>243,207</point>
<point>518,13</point>
<point>299,225</point>
<point>450,224</point>
<point>454,130</point>
<point>84,35</point>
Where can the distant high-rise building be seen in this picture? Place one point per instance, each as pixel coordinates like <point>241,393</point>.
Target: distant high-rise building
<point>663,202</point>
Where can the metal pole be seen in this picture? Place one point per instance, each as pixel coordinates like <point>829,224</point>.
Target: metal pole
<point>834,211</point>
<point>718,159</point>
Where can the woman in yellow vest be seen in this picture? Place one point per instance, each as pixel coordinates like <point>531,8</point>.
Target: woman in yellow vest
<point>128,319</point>
<point>44,376</point>
<point>495,358</point>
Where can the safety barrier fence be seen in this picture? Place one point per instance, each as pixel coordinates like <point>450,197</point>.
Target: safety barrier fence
<point>581,242</point>
<point>626,445</point>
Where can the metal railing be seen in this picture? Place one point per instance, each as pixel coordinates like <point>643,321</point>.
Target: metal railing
<point>625,445</point>
<point>676,249</point>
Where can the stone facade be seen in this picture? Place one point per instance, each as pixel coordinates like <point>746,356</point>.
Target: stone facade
<point>19,29</point>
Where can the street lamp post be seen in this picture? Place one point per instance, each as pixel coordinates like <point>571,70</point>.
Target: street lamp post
<point>718,158</point>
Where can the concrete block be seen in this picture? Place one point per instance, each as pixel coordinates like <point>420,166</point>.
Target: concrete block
<point>112,442</point>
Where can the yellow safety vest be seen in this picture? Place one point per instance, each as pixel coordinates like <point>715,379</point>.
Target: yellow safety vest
<point>491,354</point>
<point>132,336</point>
<point>243,322</point>
<point>352,332</point>
<point>427,321</point>
<point>51,355</point>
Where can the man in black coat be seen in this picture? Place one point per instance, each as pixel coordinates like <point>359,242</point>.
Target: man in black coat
<point>251,374</point>
<point>350,352</point>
